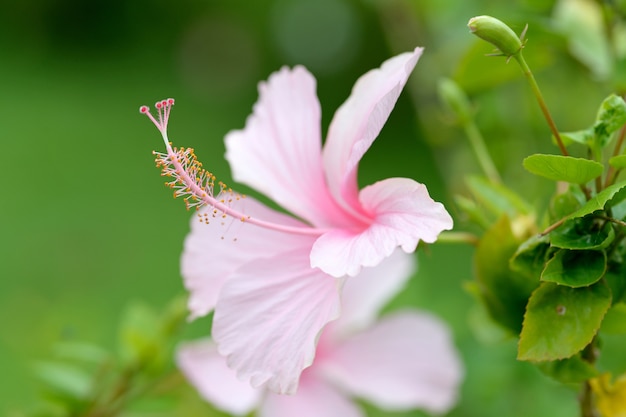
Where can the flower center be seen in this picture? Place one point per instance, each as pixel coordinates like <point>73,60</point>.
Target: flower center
<point>197,186</point>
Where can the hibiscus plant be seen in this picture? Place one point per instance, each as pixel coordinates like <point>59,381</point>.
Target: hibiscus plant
<point>295,288</point>
<point>555,277</point>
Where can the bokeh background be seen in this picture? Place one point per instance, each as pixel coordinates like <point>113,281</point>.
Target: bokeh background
<point>88,228</point>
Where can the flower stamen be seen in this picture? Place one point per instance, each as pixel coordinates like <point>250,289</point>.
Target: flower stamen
<point>196,185</point>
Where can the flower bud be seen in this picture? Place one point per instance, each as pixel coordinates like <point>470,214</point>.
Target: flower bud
<point>497,33</point>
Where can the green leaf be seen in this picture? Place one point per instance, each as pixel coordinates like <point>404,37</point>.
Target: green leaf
<point>497,198</point>
<point>615,320</point>
<point>474,213</point>
<point>618,161</point>
<point>572,370</point>
<point>611,117</point>
<point>65,380</point>
<point>617,204</point>
<point>560,321</point>
<point>531,256</point>
<point>503,291</point>
<point>575,268</point>
<point>584,137</point>
<point>82,351</point>
<point>585,233</point>
<point>563,168</point>
<point>598,201</point>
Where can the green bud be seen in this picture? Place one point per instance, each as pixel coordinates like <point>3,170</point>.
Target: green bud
<point>455,99</point>
<point>497,33</point>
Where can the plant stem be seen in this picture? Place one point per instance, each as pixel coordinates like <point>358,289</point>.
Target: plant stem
<point>482,154</point>
<point>544,109</point>
<point>585,399</point>
<point>537,92</point>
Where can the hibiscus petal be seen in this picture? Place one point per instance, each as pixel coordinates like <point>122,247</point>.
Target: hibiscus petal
<point>206,370</point>
<point>215,250</point>
<point>313,399</point>
<point>365,295</point>
<point>357,123</point>
<point>405,361</point>
<point>279,151</point>
<point>269,315</point>
<point>403,214</point>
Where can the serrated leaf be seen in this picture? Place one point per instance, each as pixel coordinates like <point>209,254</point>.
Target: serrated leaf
<point>575,268</point>
<point>563,168</point>
<point>598,201</point>
<point>65,380</point>
<point>580,234</point>
<point>615,320</point>
<point>618,161</point>
<point>617,204</point>
<point>572,370</point>
<point>503,291</point>
<point>531,256</point>
<point>560,321</point>
<point>497,198</point>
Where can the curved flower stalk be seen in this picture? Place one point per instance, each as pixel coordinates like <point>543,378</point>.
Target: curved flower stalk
<point>403,361</point>
<point>274,280</point>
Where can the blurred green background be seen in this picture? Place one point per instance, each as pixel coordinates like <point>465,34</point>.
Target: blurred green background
<point>88,227</point>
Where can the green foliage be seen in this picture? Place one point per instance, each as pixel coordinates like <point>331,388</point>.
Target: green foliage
<point>497,198</point>
<point>86,380</point>
<point>140,334</point>
<point>555,288</point>
<point>560,321</point>
<point>565,284</point>
<point>583,233</point>
<point>575,268</point>
<point>618,161</point>
<point>598,201</point>
<point>572,370</point>
<point>65,381</point>
<point>611,117</point>
<point>563,168</point>
<point>531,256</point>
<point>503,291</point>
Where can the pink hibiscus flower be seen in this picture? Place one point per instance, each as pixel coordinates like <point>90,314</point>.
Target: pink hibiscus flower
<point>274,280</point>
<point>404,361</point>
